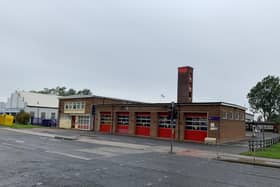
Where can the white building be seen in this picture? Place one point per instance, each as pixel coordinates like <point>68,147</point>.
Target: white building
<point>249,117</point>
<point>40,106</point>
<point>2,107</point>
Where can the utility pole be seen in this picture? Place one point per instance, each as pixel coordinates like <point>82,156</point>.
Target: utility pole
<point>172,127</point>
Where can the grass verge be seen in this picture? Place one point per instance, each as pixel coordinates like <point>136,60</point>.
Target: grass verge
<point>272,152</point>
<point>21,126</point>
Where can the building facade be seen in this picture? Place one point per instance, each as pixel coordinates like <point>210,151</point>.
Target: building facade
<point>194,121</point>
<point>41,107</point>
<point>77,111</point>
<point>2,107</point>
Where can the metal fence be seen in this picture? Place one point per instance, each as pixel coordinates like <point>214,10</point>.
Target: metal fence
<point>255,145</point>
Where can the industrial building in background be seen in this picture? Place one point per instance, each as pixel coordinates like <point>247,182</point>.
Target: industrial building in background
<point>43,108</point>
<point>2,107</point>
<point>197,122</point>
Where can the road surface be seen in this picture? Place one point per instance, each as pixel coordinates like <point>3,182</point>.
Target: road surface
<point>28,160</point>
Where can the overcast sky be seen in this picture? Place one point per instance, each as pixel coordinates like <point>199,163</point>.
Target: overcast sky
<point>132,48</point>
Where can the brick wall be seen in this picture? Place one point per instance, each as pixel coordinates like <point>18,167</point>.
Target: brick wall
<point>229,130</point>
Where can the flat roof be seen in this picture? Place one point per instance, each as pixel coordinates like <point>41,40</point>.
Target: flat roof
<point>179,104</point>
<point>151,104</point>
<point>96,96</point>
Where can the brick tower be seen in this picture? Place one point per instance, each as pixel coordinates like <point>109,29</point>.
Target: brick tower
<point>185,84</point>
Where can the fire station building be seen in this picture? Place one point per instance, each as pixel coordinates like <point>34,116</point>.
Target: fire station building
<point>193,121</point>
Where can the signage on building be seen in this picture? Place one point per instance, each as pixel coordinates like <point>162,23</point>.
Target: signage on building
<point>214,118</point>
<point>213,126</point>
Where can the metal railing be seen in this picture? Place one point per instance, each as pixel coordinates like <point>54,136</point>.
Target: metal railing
<point>255,145</point>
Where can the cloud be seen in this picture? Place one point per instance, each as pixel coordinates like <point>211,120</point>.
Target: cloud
<point>131,49</point>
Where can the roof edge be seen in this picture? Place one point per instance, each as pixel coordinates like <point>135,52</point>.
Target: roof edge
<point>181,104</point>
<point>97,96</point>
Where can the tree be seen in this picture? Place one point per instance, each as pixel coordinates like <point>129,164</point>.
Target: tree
<point>264,98</point>
<point>22,117</point>
<point>275,118</point>
<point>84,92</point>
<point>62,91</point>
<point>71,91</point>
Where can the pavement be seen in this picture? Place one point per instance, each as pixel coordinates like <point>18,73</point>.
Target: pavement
<point>275,163</point>
<point>36,158</point>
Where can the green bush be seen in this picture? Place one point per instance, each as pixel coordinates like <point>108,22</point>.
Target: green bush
<point>23,117</point>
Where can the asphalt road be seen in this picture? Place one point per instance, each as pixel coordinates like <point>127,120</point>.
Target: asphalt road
<point>27,160</point>
<point>232,148</point>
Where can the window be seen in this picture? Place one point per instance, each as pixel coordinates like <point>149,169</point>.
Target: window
<point>230,115</point>
<point>143,119</point>
<point>74,106</point>
<point>123,118</point>
<point>242,116</point>
<point>78,105</point>
<point>224,115</point>
<point>53,116</point>
<point>105,118</point>
<point>43,115</point>
<point>32,114</point>
<point>196,121</point>
<point>164,121</point>
<point>236,115</point>
<point>83,120</point>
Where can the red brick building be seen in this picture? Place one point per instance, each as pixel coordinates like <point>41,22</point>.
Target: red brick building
<point>194,121</point>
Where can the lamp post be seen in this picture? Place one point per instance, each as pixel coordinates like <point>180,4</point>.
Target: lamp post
<point>172,127</point>
<point>38,113</point>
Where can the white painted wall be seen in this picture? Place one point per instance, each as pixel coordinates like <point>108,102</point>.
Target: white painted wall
<point>39,110</point>
<point>16,103</point>
<point>65,121</point>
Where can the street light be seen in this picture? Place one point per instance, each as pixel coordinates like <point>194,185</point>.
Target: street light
<point>37,112</point>
<point>172,127</point>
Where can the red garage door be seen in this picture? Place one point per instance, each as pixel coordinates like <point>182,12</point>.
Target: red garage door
<point>164,128</point>
<point>122,122</point>
<point>196,125</point>
<point>143,122</point>
<point>105,122</point>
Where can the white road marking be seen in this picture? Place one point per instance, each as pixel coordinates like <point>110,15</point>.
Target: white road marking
<point>69,155</point>
<point>112,151</point>
<point>19,141</point>
<point>31,132</point>
<point>18,147</point>
<point>114,144</point>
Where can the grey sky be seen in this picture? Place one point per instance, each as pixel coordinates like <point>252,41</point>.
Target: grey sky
<point>132,48</point>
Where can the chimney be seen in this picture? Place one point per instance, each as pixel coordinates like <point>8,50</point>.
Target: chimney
<point>185,84</point>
